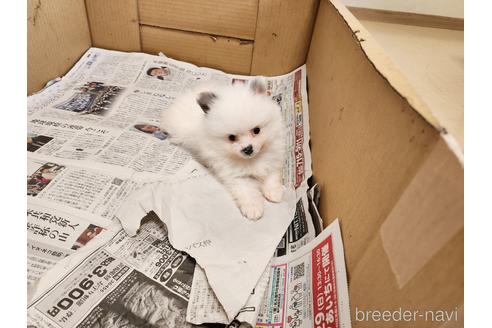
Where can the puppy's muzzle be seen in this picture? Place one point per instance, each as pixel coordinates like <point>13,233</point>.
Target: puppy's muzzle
<point>247,150</point>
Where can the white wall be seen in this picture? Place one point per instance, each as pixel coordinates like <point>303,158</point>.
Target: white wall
<point>449,8</point>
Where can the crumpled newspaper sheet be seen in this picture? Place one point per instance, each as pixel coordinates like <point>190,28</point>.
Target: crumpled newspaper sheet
<point>203,220</point>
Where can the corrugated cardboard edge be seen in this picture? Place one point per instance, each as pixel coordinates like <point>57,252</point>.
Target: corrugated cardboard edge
<point>388,70</point>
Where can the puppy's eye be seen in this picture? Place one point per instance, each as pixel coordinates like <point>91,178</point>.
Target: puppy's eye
<point>256,130</point>
<point>231,137</point>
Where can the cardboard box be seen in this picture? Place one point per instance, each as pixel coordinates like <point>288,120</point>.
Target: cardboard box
<point>386,166</point>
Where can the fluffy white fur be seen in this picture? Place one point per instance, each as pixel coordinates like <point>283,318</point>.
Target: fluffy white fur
<point>202,121</point>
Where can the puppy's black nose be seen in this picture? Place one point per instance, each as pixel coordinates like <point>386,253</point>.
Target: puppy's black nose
<point>248,150</point>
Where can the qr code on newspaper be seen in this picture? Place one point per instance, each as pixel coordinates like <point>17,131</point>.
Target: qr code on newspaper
<point>298,271</point>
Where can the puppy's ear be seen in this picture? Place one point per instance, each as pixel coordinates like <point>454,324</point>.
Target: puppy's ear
<point>258,85</point>
<point>205,100</point>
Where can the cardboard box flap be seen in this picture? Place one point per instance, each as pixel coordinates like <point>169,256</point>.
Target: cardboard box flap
<point>387,172</point>
<point>385,66</point>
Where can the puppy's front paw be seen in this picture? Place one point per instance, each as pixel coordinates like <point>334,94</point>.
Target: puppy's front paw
<point>274,193</point>
<point>253,210</point>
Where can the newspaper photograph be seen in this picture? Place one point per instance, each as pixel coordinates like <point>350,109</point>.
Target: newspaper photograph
<point>309,287</point>
<point>91,98</point>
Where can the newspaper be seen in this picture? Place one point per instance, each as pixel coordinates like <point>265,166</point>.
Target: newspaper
<point>105,113</point>
<point>89,193</point>
<point>207,307</point>
<point>127,151</point>
<point>116,282</point>
<point>144,282</point>
<point>300,231</point>
<point>309,287</point>
<point>232,250</point>
<point>164,275</point>
<point>94,139</point>
<point>53,235</point>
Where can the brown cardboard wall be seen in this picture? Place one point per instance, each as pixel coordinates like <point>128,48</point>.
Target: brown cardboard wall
<point>369,146</point>
<point>57,35</point>
<point>114,24</point>
<point>260,37</point>
<point>219,17</point>
<point>438,286</point>
<point>367,142</point>
<point>430,213</point>
<point>282,37</point>
<point>228,54</point>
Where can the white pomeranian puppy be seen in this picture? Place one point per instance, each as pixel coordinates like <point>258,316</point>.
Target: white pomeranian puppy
<point>237,132</point>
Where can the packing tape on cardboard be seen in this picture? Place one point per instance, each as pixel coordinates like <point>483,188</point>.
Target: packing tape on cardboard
<point>427,215</point>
